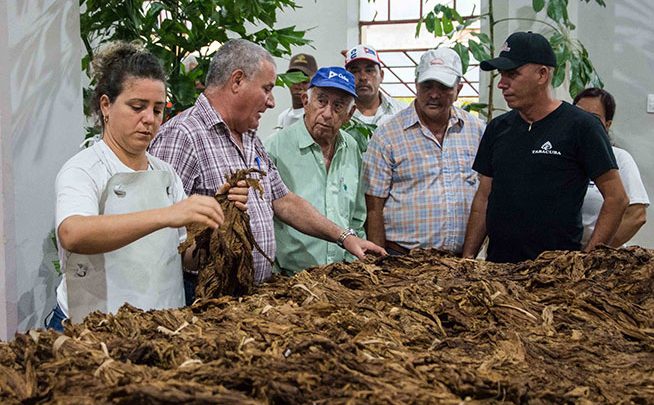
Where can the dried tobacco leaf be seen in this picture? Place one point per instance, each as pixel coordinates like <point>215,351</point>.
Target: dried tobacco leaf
<point>568,327</point>
<point>226,265</point>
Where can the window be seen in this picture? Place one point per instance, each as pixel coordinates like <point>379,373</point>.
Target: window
<point>390,25</point>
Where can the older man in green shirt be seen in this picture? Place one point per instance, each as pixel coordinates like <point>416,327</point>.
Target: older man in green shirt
<point>322,164</point>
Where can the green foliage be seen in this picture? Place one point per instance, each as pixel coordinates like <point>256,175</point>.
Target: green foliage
<point>359,130</point>
<point>176,29</point>
<point>444,21</point>
<point>476,107</point>
<point>55,263</point>
<point>290,78</point>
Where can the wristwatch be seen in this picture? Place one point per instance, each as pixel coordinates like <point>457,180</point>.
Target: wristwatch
<point>344,235</point>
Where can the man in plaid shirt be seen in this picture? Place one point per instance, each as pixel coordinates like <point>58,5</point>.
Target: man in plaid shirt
<point>217,136</point>
<point>417,170</point>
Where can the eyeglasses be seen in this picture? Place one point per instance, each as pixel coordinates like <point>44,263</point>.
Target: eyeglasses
<point>338,106</point>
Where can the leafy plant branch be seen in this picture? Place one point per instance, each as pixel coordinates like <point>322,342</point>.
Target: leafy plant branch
<point>179,31</point>
<point>572,56</point>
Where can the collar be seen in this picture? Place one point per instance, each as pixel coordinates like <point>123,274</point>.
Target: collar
<point>385,103</point>
<point>211,117</point>
<point>207,113</point>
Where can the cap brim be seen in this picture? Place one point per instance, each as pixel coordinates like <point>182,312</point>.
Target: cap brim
<point>447,79</point>
<point>302,69</point>
<point>500,63</point>
<point>331,84</point>
<point>363,58</point>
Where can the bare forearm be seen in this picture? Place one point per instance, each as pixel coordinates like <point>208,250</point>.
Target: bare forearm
<point>298,213</point>
<point>634,218</point>
<point>607,224</point>
<point>475,234</point>
<point>476,229</point>
<point>104,233</point>
<point>375,220</point>
<point>613,208</point>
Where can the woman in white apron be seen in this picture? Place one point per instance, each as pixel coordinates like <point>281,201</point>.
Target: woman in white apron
<point>121,212</point>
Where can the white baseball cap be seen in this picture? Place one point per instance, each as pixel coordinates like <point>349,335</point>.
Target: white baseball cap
<point>362,52</point>
<point>442,65</point>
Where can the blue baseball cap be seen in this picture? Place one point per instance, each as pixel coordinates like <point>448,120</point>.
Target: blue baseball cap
<point>335,77</point>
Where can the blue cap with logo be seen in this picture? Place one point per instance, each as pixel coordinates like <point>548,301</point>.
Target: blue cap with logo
<point>335,77</point>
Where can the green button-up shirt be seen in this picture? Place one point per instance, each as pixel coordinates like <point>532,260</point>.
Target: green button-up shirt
<point>337,194</point>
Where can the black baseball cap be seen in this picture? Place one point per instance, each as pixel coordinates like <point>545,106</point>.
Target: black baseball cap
<point>519,49</point>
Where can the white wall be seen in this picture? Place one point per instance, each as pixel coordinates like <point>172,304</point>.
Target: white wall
<point>333,26</point>
<point>619,40</point>
<point>41,125</point>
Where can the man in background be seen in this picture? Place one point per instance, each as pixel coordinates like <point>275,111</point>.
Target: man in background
<point>305,64</point>
<point>373,107</point>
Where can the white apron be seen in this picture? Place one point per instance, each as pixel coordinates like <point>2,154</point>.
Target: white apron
<point>147,273</point>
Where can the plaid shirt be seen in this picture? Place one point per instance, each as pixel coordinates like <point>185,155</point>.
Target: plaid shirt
<point>197,143</point>
<point>428,187</point>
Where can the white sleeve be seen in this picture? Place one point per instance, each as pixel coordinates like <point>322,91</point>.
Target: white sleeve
<point>77,193</point>
<point>630,176</point>
<point>280,119</point>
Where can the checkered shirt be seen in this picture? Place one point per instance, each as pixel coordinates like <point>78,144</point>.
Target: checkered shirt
<point>197,143</point>
<point>428,187</point>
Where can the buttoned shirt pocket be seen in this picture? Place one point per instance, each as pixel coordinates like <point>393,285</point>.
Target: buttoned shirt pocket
<point>347,192</point>
<point>465,159</point>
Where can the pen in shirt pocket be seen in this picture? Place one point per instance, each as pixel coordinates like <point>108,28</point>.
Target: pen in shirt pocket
<point>258,161</point>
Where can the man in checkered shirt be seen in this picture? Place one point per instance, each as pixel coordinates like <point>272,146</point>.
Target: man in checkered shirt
<point>417,170</point>
<point>217,136</point>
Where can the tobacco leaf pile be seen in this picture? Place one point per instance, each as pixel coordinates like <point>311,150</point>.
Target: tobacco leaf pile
<point>225,254</point>
<point>568,327</point>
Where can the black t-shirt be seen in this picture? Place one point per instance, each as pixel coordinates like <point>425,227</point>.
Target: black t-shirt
<point>540,176</point>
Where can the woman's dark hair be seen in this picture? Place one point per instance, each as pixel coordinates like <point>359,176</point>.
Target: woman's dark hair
<point>114,64</point>
<point>605,97</point>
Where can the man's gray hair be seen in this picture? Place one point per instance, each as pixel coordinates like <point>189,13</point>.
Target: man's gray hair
<point>236,54</point>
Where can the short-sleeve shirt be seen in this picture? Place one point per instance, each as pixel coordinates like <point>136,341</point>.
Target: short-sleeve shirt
<point>540,173</point>
<point>335,193</point>
<point>633,185</point>
<point>198,144</point>
<point>428,186</point>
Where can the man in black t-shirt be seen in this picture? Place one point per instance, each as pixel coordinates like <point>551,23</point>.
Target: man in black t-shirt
<point>535,163</point>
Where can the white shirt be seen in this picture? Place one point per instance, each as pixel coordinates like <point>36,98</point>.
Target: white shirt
<point>633,185</point>
<point>388,107</point>
<point>288,117</point>
<point>79,187</point>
